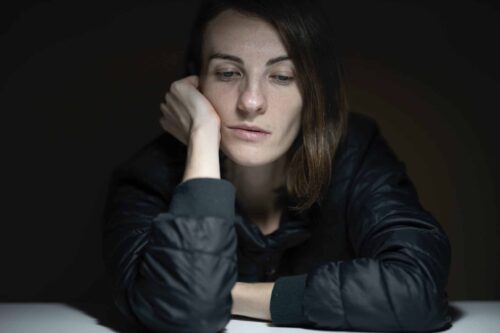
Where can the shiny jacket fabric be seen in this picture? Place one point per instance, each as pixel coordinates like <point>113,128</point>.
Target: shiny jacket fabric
<point>367,258</point>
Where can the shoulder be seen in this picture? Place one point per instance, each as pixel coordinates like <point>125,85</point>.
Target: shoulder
<point>362,150</point>
<point>158,165</point>
<point>361,129</point>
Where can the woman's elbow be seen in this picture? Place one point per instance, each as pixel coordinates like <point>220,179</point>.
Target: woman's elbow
<point>425,312</point>
<point>168,311</point>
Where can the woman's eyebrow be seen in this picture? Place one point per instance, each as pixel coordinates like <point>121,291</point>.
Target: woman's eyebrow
<point>236,59</point>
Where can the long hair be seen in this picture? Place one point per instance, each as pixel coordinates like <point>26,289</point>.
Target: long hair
<point>306,35</point>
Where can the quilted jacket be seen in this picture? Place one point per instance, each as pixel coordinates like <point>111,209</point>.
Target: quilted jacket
<point>367,258</point>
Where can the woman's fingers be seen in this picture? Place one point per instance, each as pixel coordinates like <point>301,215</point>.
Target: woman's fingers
<point>193,80</point>
<point>170,124</point>
<point>185,108</point>
<point>180,111</point>
<point>174,120</point>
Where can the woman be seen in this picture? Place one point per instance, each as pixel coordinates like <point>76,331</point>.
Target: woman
<point>265,198</point>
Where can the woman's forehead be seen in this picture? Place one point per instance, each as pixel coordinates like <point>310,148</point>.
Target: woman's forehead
<point>233,32</point>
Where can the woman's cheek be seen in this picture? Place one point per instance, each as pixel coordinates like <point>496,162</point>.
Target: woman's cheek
<point>220,99</point>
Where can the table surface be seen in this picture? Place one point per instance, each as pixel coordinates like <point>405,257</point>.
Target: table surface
<point>468,316</point>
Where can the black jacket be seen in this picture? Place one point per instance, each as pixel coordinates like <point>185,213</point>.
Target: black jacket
<point>368,258</point>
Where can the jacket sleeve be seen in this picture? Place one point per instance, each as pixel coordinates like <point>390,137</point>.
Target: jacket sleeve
<point>397,281</point>
<point>172,264</point>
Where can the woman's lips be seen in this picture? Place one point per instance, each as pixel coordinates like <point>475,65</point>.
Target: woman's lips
<point>249,135</point>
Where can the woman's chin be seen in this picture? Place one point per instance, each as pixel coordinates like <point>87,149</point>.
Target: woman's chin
<point>246,157</point>
<point>244,161</point>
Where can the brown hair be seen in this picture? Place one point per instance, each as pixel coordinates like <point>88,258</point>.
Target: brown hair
<point>306,35</point>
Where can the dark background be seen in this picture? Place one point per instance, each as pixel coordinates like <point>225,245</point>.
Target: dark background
<point>80,87</point>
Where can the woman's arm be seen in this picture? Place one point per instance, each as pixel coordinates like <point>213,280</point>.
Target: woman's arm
<point>172,257</point>
<point>397,281</point>
<point>172,266</point>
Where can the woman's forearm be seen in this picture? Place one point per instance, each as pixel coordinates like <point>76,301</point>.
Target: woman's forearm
<point>203,155</point>
<point>252,299</point>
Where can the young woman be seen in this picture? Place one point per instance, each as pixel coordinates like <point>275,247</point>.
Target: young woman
<point>265,198</point>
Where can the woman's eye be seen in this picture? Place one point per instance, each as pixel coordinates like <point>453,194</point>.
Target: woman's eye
<point>282,79</point>
<point>227,75</point>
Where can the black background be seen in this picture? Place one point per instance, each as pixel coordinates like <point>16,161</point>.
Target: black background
<point>80,87</point>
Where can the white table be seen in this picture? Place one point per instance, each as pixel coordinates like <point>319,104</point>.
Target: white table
<point>468,317</point>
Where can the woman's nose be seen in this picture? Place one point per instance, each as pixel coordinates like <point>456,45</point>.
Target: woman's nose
<point>252,99</point>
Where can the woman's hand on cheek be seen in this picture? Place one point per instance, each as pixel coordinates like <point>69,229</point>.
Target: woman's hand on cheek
<point>186,110</point>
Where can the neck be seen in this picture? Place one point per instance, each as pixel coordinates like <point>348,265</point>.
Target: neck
<point>255,186</point>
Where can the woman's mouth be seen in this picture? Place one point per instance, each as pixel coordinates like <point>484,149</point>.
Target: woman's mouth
<point>249,133</point>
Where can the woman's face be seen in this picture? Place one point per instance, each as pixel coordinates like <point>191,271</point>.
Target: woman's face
<point>250,81</point>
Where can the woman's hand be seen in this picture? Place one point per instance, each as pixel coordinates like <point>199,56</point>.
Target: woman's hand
<point>186,110</point>
<point>190,117</point>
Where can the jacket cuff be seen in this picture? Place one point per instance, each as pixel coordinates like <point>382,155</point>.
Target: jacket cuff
<point>204,197</point>
<point>287,299</point>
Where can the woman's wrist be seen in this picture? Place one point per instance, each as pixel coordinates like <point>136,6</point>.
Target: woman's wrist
<point>203,154</point>
<point>252,300</point>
